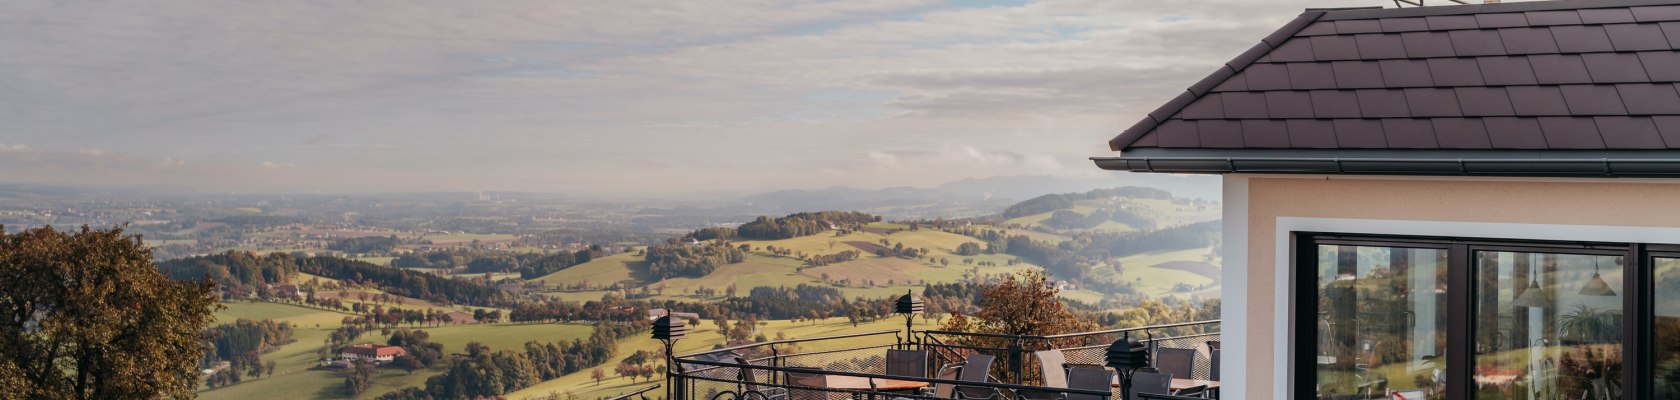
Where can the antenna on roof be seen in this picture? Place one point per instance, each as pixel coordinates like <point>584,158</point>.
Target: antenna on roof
<point>1419,3</point>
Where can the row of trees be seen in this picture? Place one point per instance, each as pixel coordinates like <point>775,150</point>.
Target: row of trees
<point>801,224</point>
<point>483,372</point>
<point>676,260</point>
<point>406,283</point>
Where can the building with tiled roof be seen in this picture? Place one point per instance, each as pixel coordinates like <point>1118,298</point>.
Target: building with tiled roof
<point>372,352</point>
<point>1431,202</point>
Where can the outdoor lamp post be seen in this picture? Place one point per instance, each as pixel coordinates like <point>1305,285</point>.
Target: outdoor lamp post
<point>1126,356</point>
<point>669,329</point>
<point>909,305</point>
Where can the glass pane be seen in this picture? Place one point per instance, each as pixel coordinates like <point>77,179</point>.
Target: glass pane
<point>1548,326</point>
<point>1667,328</point>
<point>1382,322</point>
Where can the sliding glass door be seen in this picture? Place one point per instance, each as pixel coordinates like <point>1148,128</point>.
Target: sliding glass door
<point>1388,317</point>
<point>1548,326</point>
<point>1382,317</point>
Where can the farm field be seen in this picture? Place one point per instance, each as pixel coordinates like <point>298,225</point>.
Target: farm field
<point>1146,272</point>
<point>704,337</point>
<point>293,379</point>
<point>604,270</point>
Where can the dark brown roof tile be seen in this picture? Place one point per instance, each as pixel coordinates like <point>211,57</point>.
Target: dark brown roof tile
<point>1481,42</point>
<point>1404,24</point>
<point>1615,68</point>
<point>1656,13</point>
<point>1276,76</point>
<point>1377,46</point>
<point>1484,102</point>
<point>1455,72</point>
<point>1560,17</point>
<point>1528,40</point>
<point>1629,132</point>
<point>1671,31</point>
<point>1606,16</point>
<point>1649,99</point>
<point>1335,104</point>
<point>1410,73</point>
<point>1669,127</point>
<point>1151,139</point>
<point>1515,133</point>
<point>1237,83</point>
<point>1502,20</point>
<point>1451,22</point>
<point>1220,133</point>
<point>1178,133</point>
<point>1357,74</point>
<point>1428,44</point>
<point>1297,50</point>
<point>1662,66</point>
<point>1333,48</point>
<point>1582,39</point>
<point>1207,107</point>
<point>1382,103</point>
<point>1570,133</point>
<point>1318,29</point>
<point>1312,133</point>
<point>1347,27</point>
<point>1505,71</point>
<point>1360,133</point>
<point>1240,105</point>
<point>1265,133</point>
<point>1636,37</point>
<point>1537,100</point>
<point>1304,76</point>
<point>1432,102</point>
<point>1288,104</point>
<point>1461,133</point>
<point>1409,133</point>
<point>1593,100</point>
<point>1554,69</point>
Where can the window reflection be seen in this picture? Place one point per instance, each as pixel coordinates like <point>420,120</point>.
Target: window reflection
<point>1548,326</point>
<point>1382,322</point>
<point>1666,334</point>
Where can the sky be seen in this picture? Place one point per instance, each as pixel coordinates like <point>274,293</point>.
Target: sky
<point>621,97</point>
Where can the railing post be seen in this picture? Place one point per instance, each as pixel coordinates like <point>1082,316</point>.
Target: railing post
<point>1015,364</point>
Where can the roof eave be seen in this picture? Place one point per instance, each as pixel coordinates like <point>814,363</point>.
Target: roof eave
<point>1584,167</point>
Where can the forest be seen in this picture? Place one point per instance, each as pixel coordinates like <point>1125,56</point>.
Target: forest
<point>1053,202</point>
<point>234,271</point>
<point>406,283</point>
<point>801,224</point>
<point>685,261</point>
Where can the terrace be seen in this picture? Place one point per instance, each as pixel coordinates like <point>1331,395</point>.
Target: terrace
<point>1179,359</point>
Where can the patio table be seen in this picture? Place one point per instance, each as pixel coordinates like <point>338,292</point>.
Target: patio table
<point>1181,383</point>
<point>879,384</point>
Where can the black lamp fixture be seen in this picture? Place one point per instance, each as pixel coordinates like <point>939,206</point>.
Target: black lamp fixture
<point>1596,286</point>
<point>669,329</point>
<point>1126,356</point>
<point>909,305</point>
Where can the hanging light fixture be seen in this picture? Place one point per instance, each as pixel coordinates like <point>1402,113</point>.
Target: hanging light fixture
<point>1531,297</point>
<point>1596,286</point>
<point>909,306</point>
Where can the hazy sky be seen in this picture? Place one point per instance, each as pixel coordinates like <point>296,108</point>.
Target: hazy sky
<point>603,97</point>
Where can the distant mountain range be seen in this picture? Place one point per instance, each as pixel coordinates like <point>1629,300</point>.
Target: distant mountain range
<point>964,198</point>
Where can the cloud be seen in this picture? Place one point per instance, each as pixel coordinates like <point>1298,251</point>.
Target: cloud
<point>617,97</point>
<point>91,152</point>
<point>13,148</point>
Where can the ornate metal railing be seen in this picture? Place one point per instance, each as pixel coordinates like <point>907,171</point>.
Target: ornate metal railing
<point>857,385</point>
<point>637,394</point>
<point>1012,351</point>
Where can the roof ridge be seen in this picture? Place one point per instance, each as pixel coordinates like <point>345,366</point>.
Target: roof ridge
<point>1467,9</point>
<point>1206,84</point>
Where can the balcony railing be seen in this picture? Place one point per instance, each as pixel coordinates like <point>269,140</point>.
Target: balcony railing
<point>855,366</point>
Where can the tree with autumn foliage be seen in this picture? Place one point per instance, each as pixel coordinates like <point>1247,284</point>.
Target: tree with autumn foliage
<point>86,315</point>
<point>1020,304</point>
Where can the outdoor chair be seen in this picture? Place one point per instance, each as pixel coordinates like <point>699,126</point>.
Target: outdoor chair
<point>908,363</point>
<point>1213,361</point>
<point>1156,396</point>
<point>1178,362</point>
<point>1051,364</point>
<point>1089,379</point>
<point>749,378</point>
<point>1150,382</point>
<point>811,379</point>
<point>944,390</point>
<point>1197,391</point>
<point>975,368</point>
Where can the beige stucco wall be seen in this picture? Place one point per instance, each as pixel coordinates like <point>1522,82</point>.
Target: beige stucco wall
<point>1605,202</point>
